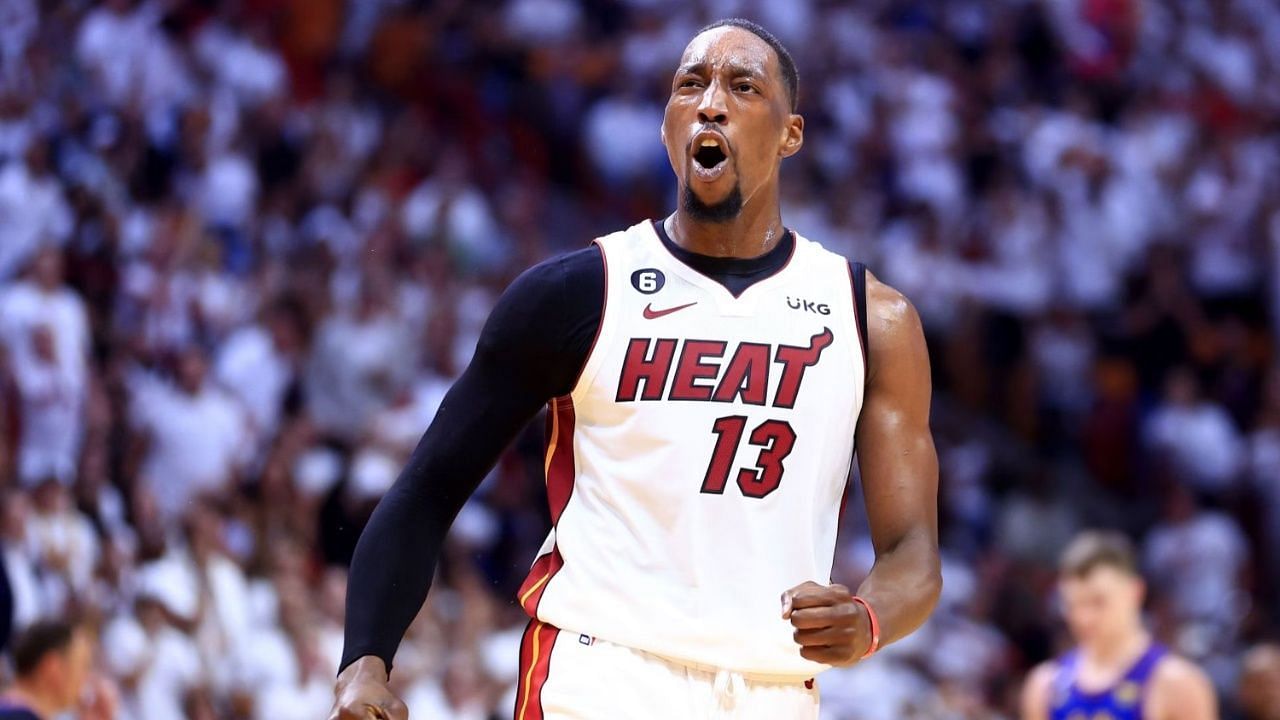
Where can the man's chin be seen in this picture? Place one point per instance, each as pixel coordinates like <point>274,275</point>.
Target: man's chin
<point>707,204</point>
<point>710,194</point>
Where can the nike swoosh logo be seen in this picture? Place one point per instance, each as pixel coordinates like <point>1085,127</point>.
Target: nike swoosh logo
<point>651,314</point>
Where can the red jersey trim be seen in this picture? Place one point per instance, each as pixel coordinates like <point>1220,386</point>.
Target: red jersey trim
<point>560,472</point>
<point>536,645</point>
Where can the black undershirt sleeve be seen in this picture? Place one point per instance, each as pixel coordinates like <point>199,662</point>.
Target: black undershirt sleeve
<point>532,348</point>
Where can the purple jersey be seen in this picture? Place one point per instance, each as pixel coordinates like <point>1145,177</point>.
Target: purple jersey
<point>9,710</point>
<point>1121,701</point>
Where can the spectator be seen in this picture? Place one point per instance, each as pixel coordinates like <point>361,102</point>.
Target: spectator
<point>158,664</point>
<point>358,358</point>
<point>131,60</point>
<point>33,208</point>
<point>190,436</point>
<point>1196,434</point>
<point>1195,557</point>
<point>258,363</point>
<point>20,563</point>
<point>51,667</point>
<point>45,327</point>
<point>65,545</point>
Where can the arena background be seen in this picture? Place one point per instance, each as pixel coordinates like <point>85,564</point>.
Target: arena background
<point>245,246</point>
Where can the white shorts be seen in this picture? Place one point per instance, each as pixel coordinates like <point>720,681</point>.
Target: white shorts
<point>569,676</point>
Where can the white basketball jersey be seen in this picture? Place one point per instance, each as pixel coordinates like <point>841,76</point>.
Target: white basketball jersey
<point>698,468</point>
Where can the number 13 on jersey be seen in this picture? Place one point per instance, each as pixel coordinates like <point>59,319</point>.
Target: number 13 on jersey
<point>775,438</point>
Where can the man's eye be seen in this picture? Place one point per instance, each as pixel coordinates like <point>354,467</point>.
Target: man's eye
<point>746,87</point>
<point>691,83</point>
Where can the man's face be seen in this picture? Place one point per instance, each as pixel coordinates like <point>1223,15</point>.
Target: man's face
<point>728,122</point>
<point>47,268</point>
<point>1101,604</point>
<point>72,668</point>
<point>191,371</point>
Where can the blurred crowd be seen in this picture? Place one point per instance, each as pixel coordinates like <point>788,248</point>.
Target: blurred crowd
<point>245,246</point>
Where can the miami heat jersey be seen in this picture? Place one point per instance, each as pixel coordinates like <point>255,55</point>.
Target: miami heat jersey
<point>698,468</point>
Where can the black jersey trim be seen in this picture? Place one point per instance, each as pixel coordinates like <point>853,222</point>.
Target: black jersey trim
<point>858,284</point>
<point>604,307</point>
<point>858,274</point>
<point>709,266</point>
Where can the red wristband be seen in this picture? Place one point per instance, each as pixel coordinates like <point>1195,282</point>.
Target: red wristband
<point>875,627</point>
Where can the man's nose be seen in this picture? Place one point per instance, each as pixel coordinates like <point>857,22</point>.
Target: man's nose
<point>713,108</point>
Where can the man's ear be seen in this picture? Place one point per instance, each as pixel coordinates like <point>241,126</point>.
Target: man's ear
<point>793,135</point>
<point>53,664</point>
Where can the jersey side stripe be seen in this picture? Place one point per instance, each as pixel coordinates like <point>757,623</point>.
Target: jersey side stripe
<point>536,583</point>
<point>535,667</point>
<point>560,472</point>
<point>559,468</point>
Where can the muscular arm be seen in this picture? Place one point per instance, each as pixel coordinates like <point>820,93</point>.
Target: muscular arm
<point>899,469</point>
<point>899,466</point>
<point>530,350</point>
<point>1181,691</point>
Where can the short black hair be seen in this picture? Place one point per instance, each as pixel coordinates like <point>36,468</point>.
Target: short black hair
<point>37,641</point>
<point>785,62</point>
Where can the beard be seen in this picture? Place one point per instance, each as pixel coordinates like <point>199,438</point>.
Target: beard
<point>719,212</point>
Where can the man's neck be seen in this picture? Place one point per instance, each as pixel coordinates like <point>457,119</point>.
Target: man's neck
<point>1118,652</point>
<point>31,698</point>
<point>754,232</point>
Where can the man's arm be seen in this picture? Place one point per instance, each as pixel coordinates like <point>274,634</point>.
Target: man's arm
<point>1181,691</point>
<point>531,349</point>
<point>899,469</point>
<point>1035,693</point>
<point>899,466</point>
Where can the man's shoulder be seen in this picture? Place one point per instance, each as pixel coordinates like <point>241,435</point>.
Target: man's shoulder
<point>1043,673</point>
<point>574,266</point>
<point>17,296</point>
<point>892,320</point>
<point>586,259</point>
<point>1037,688</point>
<point>1176,682</point>
<point>1175,670</point>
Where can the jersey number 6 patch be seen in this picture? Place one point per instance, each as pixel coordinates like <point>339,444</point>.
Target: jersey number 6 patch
<point>775,438</point>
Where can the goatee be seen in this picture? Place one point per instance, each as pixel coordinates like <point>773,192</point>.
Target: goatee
<point>720,212</point>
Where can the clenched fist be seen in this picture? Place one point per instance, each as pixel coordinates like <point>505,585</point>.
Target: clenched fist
<point>362,693</point>
<point>830,627</point>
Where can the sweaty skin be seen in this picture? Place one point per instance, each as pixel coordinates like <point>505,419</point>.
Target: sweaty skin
<point>899,469</point>
<point>729,87</point>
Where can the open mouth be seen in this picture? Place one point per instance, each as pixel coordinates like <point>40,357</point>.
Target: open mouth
<point>710,156</point>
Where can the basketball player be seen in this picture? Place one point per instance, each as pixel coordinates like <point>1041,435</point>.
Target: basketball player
<point>1118,672</point>
<point>706,377</point>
